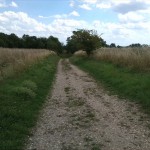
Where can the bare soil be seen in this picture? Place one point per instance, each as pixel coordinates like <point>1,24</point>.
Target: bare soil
<point>80,115</point>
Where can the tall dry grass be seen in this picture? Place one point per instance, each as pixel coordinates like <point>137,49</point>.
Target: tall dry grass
<point>80,53</point>
<point>15,60</point>
<point>134,58</point>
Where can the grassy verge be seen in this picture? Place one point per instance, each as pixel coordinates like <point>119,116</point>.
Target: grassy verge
<point>126,83</point>
<point>21,98</point>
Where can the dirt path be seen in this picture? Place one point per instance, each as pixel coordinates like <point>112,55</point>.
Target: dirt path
<point>80,115</point>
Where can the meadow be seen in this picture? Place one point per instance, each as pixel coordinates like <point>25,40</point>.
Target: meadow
<point>13,61</point>
<point>132,58</point>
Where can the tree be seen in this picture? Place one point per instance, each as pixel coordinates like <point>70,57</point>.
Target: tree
<point>14,41</point>
<point>54,44</point>
<point>42,43</point>
<point>3,38</point>
<point>113,45</point>
<point>135,45</point>
<point>118,46</point>
<point>30,41</point>
<point>87,40</point>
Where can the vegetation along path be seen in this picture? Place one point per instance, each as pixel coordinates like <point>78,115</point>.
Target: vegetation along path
<point>81,115</point>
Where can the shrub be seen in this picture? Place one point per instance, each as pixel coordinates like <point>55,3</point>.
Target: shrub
<point>24,92</point>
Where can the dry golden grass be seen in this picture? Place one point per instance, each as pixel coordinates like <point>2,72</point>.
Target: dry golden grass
<point>80,53</point>
<point>15,60</point>
<point>134,58</point>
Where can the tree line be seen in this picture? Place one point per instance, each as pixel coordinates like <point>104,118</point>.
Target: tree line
<point>82,39</point>
<point>33,42</point>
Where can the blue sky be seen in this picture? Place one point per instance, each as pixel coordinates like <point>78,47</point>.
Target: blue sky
<point>119,21</point>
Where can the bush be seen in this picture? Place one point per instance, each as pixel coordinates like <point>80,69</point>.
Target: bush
<point>30,85</point>
<point>24,92</point>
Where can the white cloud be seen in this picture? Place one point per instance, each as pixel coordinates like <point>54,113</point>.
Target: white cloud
<point>4,4</point>
<point>61,16</point>
<point>13,4</point>
<point>131,17</point>
<point>123,6</point>
<point>72,3</point>
<point>85,6</point>
<point>130,7</point>
<point>69,23</point>
<point>89,1</point>
<point>57,16</point>
<point>103,5</point>
<point>20,23</point>
<point>123,33</point>
<point>74,13</point>
<point>121,2</point>
<point>43,17</point>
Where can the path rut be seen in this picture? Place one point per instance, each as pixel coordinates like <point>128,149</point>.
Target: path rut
<point>80,115</point>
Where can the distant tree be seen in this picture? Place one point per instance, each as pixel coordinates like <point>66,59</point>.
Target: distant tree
<point>3,40</point>
<point>13,41</point>
<point>87,40</point>
<point>72,45</point>
<point>26,41</point>
<point>30,41</point>
<point>145,45</point>
<point>2,43</point>
<point>135,45</point>
<point>113,45</point>
<point>42,43</point>
<point>118,46</point>
<point>54,44</point>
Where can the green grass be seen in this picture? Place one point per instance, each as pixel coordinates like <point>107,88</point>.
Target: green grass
<point>123,81</point>
<point>21,98</point>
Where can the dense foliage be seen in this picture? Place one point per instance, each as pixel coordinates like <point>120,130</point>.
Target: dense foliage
<point>26,41</point>
<point>86,40</point>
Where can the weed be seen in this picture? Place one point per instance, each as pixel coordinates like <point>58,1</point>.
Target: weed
<point>75,102</point>
<point>96,146</point>
<point>67,89</point>
<point>83,119</point>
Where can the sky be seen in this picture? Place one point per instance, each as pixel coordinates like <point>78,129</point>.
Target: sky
<point>122,22</point>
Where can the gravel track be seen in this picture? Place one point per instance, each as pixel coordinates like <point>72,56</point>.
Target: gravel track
<point>81,115</point>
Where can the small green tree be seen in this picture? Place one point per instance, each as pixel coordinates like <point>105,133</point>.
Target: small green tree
<point>87,40</point>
